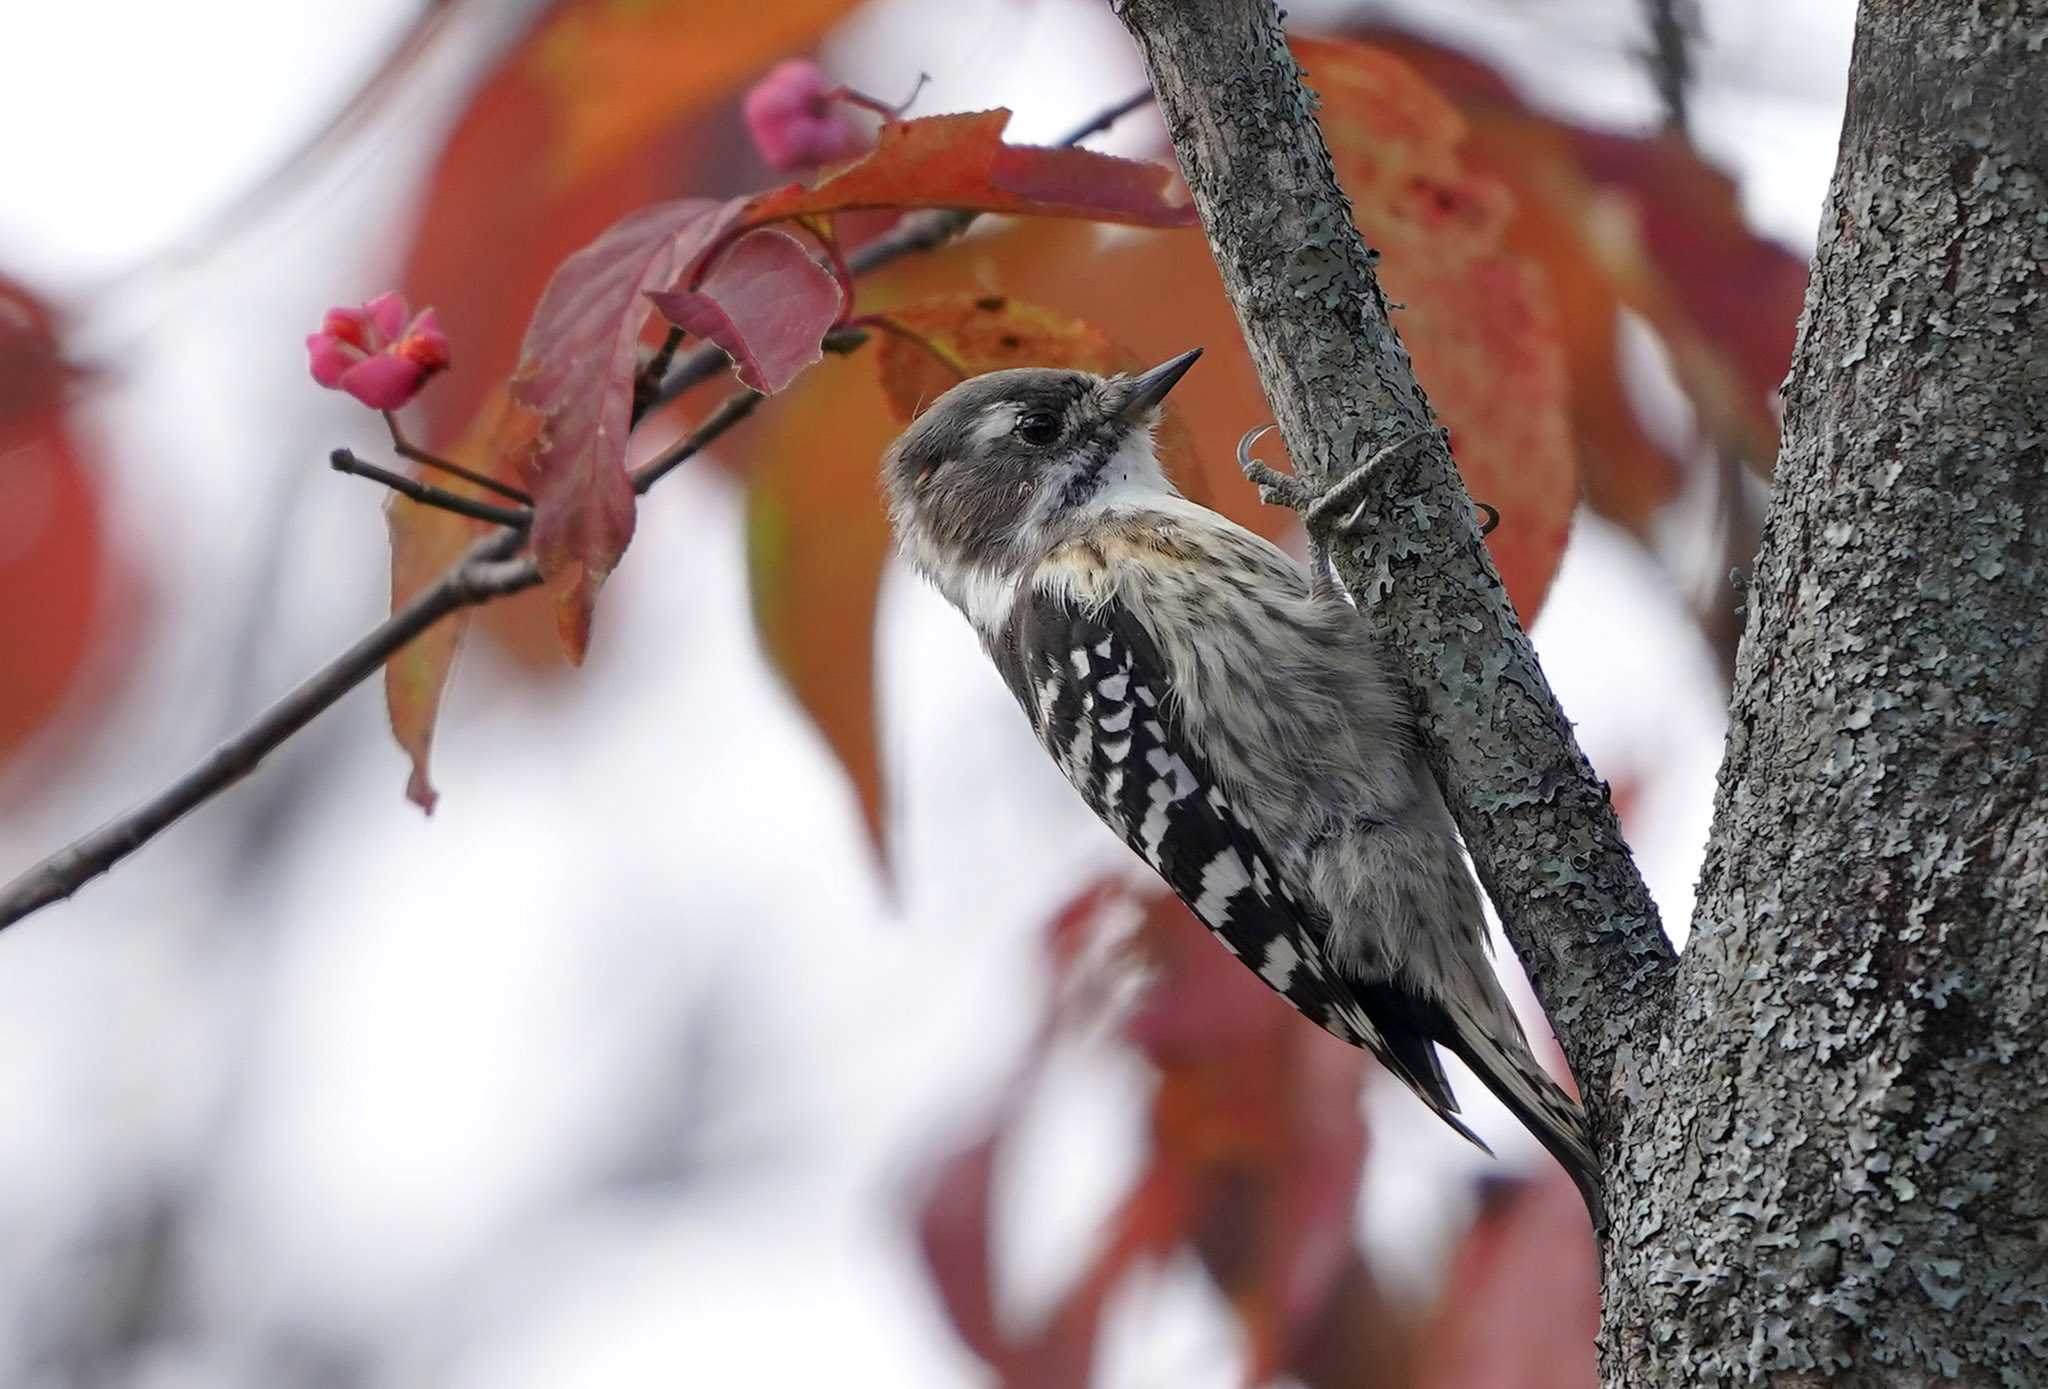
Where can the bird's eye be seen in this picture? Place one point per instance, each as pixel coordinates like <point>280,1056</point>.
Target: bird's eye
<point>1038,428</point>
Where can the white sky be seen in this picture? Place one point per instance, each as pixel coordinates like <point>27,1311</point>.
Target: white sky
<point>402,1061</point>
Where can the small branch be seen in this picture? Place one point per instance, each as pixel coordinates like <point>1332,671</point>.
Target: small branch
<point>493,568</point>
<point>647,384</point>
<point>406,449</point>
<point>1671,24</point>
<point>1539,825</point>
<point>426,493</point>
<point>480,575</point>
<point>730,412</point>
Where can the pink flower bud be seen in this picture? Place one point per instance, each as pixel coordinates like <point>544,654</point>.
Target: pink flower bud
<point>375,354</point>
<point>794,119</point>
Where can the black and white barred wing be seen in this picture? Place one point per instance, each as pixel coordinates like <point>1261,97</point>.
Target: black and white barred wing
<point>1095,688</point>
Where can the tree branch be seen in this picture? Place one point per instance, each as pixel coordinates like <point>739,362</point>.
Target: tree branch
<point>492,569</point>
<point>1670,57</point>
<point>480,575</point>
<point>1541,831</point>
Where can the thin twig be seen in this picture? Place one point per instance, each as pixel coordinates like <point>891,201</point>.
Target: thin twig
<point>647,382</point>
<point>730,412</point>
<point>1670,56</point>
<point>493,568</point>
<point>479,576</point>
<point>426,493</point>
<point>406,448</point>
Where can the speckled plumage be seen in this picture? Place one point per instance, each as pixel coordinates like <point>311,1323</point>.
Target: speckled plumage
<point>1235,727</point>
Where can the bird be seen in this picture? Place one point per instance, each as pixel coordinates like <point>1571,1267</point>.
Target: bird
<point>1230,716</point>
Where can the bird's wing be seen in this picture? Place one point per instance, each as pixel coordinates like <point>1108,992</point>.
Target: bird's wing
<point>1093,682</point>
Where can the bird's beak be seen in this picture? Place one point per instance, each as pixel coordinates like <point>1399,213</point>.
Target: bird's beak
<point>1141,393</point>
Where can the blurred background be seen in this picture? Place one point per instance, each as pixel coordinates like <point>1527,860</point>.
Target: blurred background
<point>758,1006</point>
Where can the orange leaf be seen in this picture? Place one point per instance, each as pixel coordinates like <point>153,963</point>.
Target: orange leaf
<point>1641,222</point>
<point>425,541</point>
<point>960,161</point>
<point>1478,321</point>
<point>816,545</point>
<point>962,335</point>
<point>616,72</point>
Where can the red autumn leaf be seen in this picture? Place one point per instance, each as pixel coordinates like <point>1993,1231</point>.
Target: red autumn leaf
<point>576,373</point>
<point>56,597</point>
<point>1737,294</point>
<point>816,544</point>
<point>1145,1228</point>
<point>425,541</point>
<point>1521,1301</point>
<point>955,1234</point>
<point>960,161</point>
<point>1259,1109</point>
<point>766,301</point>
<point>1257,1145</point>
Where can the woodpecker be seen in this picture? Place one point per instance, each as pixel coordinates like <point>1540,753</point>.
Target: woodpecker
<point>1233,721</point>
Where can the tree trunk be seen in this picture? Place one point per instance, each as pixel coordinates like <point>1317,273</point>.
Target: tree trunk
<point>1826,1146</point>
<point>1842,1177</point>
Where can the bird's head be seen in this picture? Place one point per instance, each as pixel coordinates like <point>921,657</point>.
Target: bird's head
<point>1003,467</point>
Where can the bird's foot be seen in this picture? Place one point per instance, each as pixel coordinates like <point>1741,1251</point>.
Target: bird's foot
<point>1331,512</point>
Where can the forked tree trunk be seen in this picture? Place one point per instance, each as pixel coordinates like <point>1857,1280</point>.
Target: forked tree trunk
<point>1826,1144</point>
<point>1842,1177</point>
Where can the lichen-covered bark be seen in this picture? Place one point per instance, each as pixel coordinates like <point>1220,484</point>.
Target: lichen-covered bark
<point>1542,833</point>
<point>1841,1175</point>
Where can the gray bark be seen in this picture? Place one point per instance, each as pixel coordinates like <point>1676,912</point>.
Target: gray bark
<point>1826,1140</point>
<point>1843,1175</point>
<point>1542,833</point>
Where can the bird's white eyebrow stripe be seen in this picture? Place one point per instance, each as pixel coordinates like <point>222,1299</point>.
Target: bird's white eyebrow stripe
<point>997,419</point>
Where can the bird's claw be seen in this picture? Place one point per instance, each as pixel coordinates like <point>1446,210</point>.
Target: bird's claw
<point>1275,487</point>
<point>1326,512</point>
<point>1334,510</point>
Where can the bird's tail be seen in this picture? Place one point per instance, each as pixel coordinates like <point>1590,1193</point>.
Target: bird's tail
<point>1509,1069</point>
